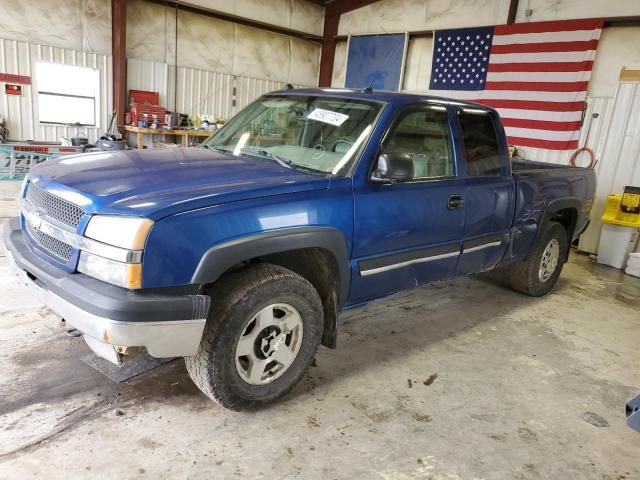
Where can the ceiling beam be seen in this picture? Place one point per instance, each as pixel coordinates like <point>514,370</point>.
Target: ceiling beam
<point>608,22</point>
<point>633,21</point>
<point>322,3</point>
<point>228,17</point>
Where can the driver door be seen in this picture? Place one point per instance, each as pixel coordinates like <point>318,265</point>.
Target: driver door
<point>409,233</point>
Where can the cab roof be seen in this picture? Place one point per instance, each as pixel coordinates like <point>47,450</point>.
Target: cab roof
<point>396,99</point>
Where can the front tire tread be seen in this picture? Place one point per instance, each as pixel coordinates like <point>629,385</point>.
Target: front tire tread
<point>209,368</point>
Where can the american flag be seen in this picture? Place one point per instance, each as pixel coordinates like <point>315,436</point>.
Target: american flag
<point>535,74</point>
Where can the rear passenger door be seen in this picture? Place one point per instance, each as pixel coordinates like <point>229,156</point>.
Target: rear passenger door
<point>489,193</point>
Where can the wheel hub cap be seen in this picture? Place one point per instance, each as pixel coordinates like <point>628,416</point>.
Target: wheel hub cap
<point>549,260</point>
<point>266,345</point>
<point>269,344</point>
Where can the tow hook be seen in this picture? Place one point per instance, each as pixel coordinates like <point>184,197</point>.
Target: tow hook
<point>73,332</point>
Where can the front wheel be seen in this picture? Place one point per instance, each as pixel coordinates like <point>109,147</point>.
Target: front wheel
<point>262,334</point>
<point>537,275</point>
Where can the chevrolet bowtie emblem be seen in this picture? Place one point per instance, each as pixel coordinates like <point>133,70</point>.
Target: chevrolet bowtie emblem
<point>35,218</point>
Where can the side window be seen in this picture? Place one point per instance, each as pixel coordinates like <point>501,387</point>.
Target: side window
<point>424,135</point>
<point>480,144</point>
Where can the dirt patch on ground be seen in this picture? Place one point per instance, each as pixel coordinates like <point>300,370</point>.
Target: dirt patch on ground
<point>53,372</point>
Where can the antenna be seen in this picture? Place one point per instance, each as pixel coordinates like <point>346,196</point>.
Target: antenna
<point>369,88</point>
<point>288,86</point>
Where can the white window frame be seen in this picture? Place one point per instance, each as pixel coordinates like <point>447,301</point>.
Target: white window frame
<point>95,98</point>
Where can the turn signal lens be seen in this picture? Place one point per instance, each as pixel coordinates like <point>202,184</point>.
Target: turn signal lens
<point>127,275</point>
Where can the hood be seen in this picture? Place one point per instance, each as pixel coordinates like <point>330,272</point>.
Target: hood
<point>161,182</point>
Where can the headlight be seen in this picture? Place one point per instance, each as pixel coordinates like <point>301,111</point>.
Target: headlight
<point>124,232</point>
<point>127,275</point>
<point>112,249</point>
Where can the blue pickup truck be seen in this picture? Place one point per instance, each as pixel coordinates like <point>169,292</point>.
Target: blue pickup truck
<point>239,254</point>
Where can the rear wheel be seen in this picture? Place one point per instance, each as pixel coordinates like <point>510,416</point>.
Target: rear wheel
<point>537,275</point>
<point>262,334</point>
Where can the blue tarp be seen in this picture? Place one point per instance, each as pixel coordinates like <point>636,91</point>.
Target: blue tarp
<point>376,61</point>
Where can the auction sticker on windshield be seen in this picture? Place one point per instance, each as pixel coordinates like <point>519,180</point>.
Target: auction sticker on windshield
<point>327,116</point>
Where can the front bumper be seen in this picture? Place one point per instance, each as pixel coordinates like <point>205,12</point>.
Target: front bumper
<point>166,324</point>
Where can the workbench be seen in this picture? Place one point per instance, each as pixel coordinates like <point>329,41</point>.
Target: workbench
<point>185,134</point>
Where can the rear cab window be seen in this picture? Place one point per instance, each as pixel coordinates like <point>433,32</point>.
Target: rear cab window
<point>481,146</point>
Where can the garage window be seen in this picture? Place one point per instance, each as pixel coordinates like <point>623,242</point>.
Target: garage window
<point>67,94</point>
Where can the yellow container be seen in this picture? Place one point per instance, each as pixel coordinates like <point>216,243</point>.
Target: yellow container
<point>614,215</point>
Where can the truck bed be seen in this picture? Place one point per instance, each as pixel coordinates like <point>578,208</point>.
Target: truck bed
<point>540,184</point>
<point>523,165</point>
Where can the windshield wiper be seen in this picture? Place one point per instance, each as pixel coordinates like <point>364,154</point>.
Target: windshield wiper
<point>217,149</point>
<point>285,162</point>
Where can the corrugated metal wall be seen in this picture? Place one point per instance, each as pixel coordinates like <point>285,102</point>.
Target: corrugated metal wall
<point>199,91</point>
<point>21,112</point>
<point>619,164</point>
<point>248,89</point>
<point>203,92</point>
<point>150,76</point>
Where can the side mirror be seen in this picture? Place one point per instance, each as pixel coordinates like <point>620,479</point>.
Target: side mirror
<point>393,168</point>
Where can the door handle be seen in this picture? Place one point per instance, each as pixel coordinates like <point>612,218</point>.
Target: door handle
<point>455,202</point>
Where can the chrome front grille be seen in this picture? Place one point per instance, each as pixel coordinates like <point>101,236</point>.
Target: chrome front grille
<point>54,207</point>
<point>52,245</point>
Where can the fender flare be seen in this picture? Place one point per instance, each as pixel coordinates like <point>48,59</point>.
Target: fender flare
<point>220,258</point>
<point>554,207</point>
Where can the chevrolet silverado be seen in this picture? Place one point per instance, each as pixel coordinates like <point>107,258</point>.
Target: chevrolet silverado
<point>240,254</point>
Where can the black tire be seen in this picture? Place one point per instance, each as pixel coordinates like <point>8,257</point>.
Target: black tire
<point>236,298</point>
<point>524,276</point>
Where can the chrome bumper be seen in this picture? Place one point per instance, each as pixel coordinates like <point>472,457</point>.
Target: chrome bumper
<point>108,337</point>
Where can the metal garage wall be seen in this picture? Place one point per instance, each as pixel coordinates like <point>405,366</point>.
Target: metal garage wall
<point>21,112</point>
<point>199,91</point>
<point>203,92</point>
<point>150,76</point>
<point>619,165</point>
<point>248,89</point>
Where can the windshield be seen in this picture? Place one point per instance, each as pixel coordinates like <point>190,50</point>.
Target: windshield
<point>317,134</point>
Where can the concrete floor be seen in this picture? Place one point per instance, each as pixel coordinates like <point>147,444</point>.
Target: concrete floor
<point>465,379</point>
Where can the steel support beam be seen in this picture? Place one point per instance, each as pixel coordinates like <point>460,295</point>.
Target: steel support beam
<point>513,10</point>
<point>633,21</point>
<point>330,31</point>
<point>119,56</point>
<point>332,13</point>
<point>209,12</point>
